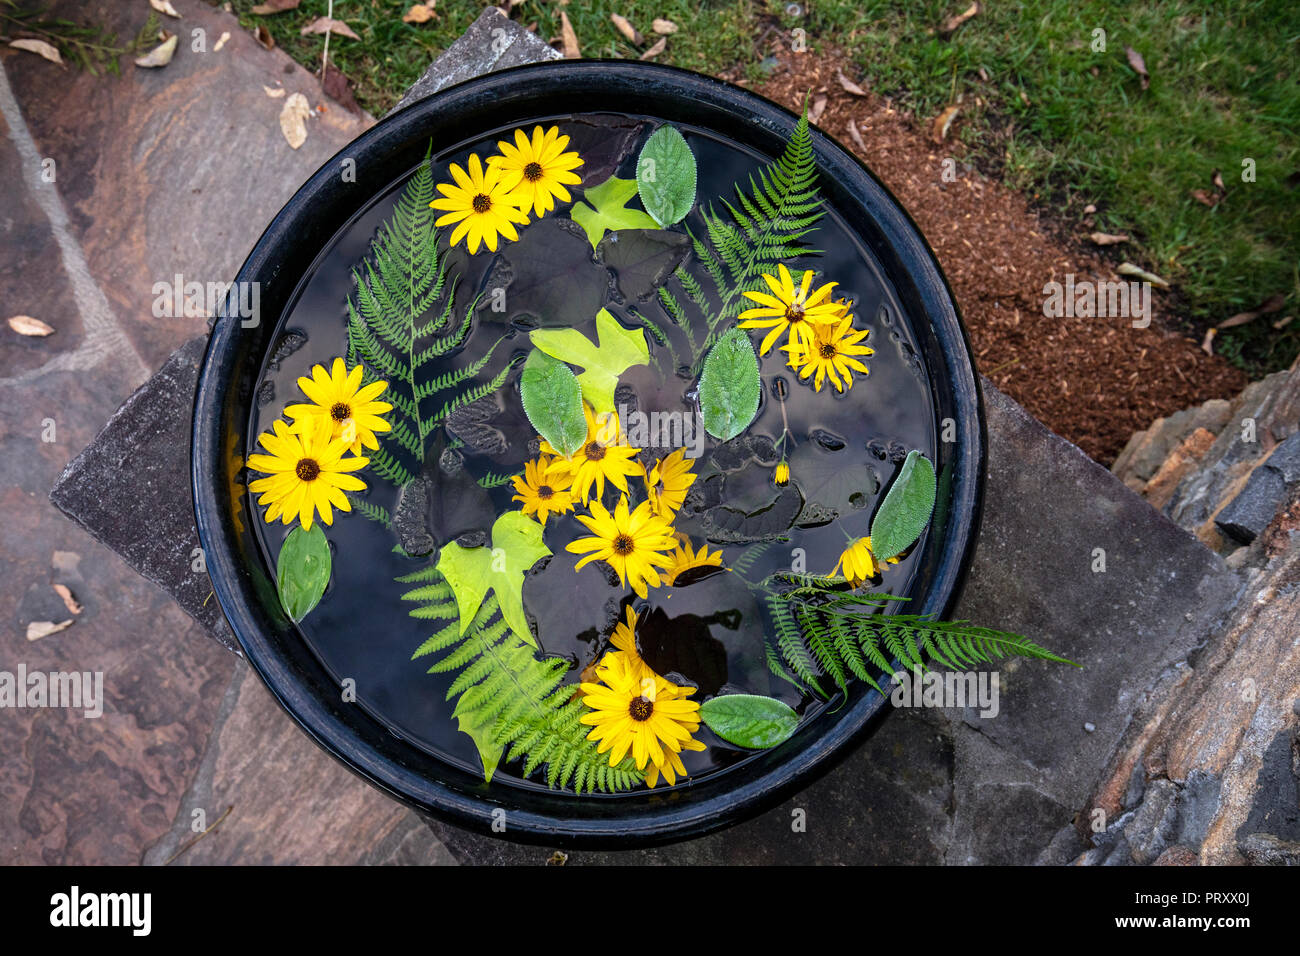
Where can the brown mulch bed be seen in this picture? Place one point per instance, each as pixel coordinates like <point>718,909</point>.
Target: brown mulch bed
<point>1092,380</point>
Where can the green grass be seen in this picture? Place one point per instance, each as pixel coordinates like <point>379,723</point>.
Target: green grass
<point>1223,89</point>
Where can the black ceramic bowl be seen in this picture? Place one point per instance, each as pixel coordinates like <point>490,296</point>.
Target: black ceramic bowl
<point>245,586</point>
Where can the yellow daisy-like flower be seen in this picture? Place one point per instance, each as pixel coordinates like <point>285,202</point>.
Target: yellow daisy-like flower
<point>634,709</point>
<point>632,542</point>
<point>308,473</point>
<point>666,483</point>
<point>859,562</point>
<point>481,203</point>
<point>832,352</point>
<point>788,309</point>
<point>543,492</point>
<point>601,457</point>
<point>782,474</point>
<point>684,559</point>
<point>537,170</point>
<point>624,640</point>
<point>338,396</point>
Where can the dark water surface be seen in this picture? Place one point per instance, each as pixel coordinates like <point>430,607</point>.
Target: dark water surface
<point>845,446</point>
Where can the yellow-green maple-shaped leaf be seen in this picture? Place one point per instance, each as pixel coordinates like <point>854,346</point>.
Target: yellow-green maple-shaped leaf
<point>471,572</point>
<point>483,733</point>
<point>602,364</point>
<point>606,209</point>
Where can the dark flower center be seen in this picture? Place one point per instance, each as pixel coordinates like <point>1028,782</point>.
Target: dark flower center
<point>641,708</point>
<point>594,451</point>
<point>307,469</point>
<point>794,313</point>
<point>545,492</point>
<point>533,172</point>
<point>827,350</point>
<point>340,412</point>
<point>482,203</point>
<point>624,545</point>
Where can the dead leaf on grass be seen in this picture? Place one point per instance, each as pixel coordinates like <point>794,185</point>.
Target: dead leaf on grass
<point>264,36</point>
<point>326,25</point>
<point>659,46</point>
<point>40,48</point>
<point>663,27</point>
<point>26,325</point>
<point>1139,65</point>
<point>949,26</point>
<point>1128,269</point>
<point>1207,343</point>
<point>272,7</point>
<point>624,25</point>
<point>293,120</point>
<point>419,13</point>
<point>942,123</point>
<point>1108,238</point>
<point>1270,305</point>
<point>569,38</point>
<point>848,85</point>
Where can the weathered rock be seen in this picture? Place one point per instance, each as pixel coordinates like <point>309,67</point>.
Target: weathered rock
<point>1257,504</point>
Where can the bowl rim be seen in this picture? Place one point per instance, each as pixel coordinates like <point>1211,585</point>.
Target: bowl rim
<point>331,726</point>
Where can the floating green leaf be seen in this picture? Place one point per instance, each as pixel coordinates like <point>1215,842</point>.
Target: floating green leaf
<point>729,386</point>
<point>906,509</point>
<point>482,729</point>
<point>602,364</point>
<point>665,176</point>
<point>471,572</point>
<point>552,401</point>
<point>748,720</point>
<point>302,571</point>
<point>606,209</point>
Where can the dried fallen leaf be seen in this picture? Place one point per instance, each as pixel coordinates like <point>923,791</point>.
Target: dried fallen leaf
<point>1139,65</point>
<point>275,6</point>
<point>848,85</point>
<point>38,629</point>
<point>663,27</point>
<point>1128,269</point>
<point>939,128</point>
<point>631,33</point>
<point>856,135</point>
<point>1207,344</point>
<point>1107,238</point>
<point>338,87</point>
<point>264,36</point>
<point>818,108</point>
<point>1206,199</point>
<point>26,325</point>
<point>659,46</point>
<point>70,602</point>
<point>1283,322</point>
<point>569,38</point>
<point>221,41</point>
<point>326,25</point>
<point>275,92</point>
<point>163,6</point>
<point>293,120</point>
<point>419,13</point>
<point>1270,305</point>
<point>949,26</point>
<point>160,55</point>
<point>1217,179</point>
<point>1089,209</point>
<point>39,47</point>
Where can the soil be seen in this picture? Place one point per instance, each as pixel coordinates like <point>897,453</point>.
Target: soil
<point>1094,381</point>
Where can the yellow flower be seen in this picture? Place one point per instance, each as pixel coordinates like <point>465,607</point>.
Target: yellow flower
<point>481,203</point>
<point>788,309</point>
<point>600,457</point>
<point>542,491</point>
<point>536,171</point>
<point>782,474</point>
<point>859,562</point>
<point>633,543</point>
<point>635,709</point>
<point>666,483</point>
<point>624,640</point>
<point>338,396</point>
<point>831,353</point>
<point>308,473</point>
<point>684,559</point>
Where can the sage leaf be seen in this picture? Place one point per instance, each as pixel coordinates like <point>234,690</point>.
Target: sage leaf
<point>906,509</point>
<point>552,401</point>
<point>729,386</point>
<point>748,720</point>
<point>665,176</point>
<point>302,571</point>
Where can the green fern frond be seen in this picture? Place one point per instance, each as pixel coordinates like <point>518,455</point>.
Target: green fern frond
<point>500,684</point>
<point>493,480</point>
<point>376,513</point>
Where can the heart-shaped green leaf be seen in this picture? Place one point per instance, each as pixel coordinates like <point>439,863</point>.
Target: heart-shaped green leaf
<point>748,720</point>
<point>602,364</point>
<point>302,571</point>
<point>605,209</point>
<point>729,386</point>
<point>552,401</point>
<point>906,509</point>
<point>665,176</point>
